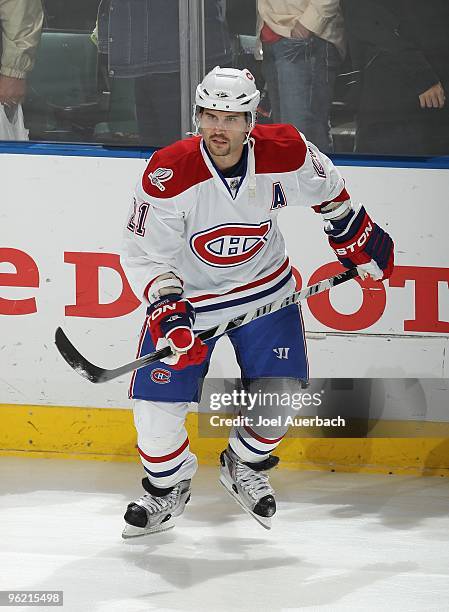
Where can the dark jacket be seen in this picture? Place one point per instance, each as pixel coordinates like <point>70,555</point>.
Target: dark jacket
<point>142,36</point>
<point>402,48</point>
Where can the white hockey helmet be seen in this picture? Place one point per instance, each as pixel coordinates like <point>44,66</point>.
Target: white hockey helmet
<point>227,89</point>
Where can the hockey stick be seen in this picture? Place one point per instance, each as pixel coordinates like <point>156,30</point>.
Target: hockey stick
<point>98,375</point>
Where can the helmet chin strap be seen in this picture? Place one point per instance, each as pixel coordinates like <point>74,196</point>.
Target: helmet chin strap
<point>251,167</point>
<point>196,126</point>
<point>251,159</point>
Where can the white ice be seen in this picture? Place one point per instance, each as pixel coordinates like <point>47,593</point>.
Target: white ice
<point>339,542</point>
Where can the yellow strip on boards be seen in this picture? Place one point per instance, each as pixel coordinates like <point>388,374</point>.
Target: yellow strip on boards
<point>108,434</point>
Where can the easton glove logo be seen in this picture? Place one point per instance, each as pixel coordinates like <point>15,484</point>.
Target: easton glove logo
<point>159,176</point>
<point>231,244</point>
<point>163,308</point>
<point>357,245</point>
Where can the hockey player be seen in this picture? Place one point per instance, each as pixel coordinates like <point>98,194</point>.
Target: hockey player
<point>201,246</point>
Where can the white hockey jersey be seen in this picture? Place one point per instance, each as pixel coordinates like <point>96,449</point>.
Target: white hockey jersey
<point>221,240</point>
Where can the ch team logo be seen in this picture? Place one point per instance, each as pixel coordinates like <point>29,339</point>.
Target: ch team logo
<point>159,176</point>
<point>160,376</point>
<point>232,244</point>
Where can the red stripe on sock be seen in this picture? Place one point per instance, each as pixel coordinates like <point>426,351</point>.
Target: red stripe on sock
<point>260,439</point>
<point>163,458</point>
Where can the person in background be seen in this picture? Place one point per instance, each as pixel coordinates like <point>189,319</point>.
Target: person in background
<point>21,25</point>
<point>141,38</point>
<point>303,45</point>
<point>401,50</point>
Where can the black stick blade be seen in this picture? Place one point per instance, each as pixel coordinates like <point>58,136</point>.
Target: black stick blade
<point>93,373</point>
<point>76,361</point>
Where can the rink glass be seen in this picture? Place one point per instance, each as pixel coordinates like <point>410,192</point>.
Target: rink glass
<point>74,95</point>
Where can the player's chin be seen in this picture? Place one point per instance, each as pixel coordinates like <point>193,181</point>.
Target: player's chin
<point>218,148</point>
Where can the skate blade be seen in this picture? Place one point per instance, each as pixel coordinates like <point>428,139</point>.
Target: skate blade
<point>137,532</point>
<point>264,521</point>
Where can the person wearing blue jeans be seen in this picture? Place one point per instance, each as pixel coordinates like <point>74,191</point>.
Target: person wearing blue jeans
<point>141,41</point>
<point>303,46</point>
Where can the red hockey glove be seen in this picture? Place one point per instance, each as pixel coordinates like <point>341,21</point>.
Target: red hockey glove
<point>358,241</point>
<point>170,321</point>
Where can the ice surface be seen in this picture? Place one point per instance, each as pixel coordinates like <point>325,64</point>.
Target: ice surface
<point>339,542</point>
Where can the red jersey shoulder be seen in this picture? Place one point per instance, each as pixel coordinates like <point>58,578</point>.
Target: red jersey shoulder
<point>279,148</point>
<point>174,169</point>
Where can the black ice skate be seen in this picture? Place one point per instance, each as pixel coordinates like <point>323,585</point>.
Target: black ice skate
<point>248,484</point>
<point>154,512</point>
